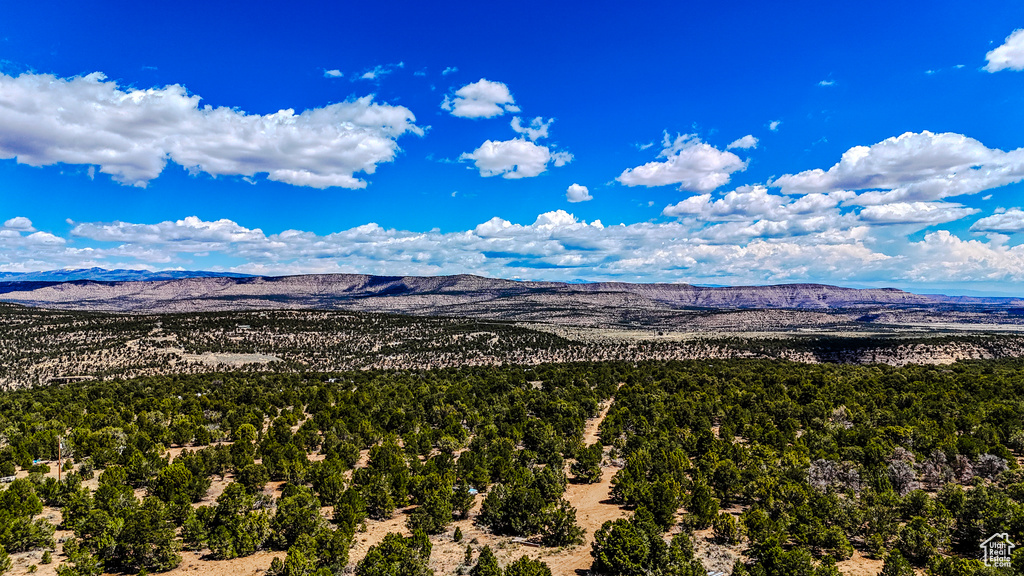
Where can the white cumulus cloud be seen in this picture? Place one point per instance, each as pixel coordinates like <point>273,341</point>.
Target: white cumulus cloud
<point>913,167</point>
<point>577,193</point>
<point>744,143</point>
<point>1009,55</point>
<point>516,158</point>
<point>481,99</point>
<point>131,134</point>
<point>688,162</point>
<point>942,254</point>
<point>1011,220</point>
<point>537,129</point>
<point>19,224</point>
<point>333,73</point>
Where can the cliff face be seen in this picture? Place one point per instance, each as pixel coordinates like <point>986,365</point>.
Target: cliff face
<point>452,295</point>
<point>812,296</point>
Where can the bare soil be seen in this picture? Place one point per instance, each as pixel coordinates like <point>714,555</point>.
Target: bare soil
<point>593,508</point>
<point>860,565</point>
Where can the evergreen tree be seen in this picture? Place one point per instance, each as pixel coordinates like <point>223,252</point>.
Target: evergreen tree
<point>587,467</point>
<point>486,564</point>
<point>703,507</point>
<point>632,547</point>
<point>559,526</point>
<point>526,566</point>
<point>896,565</point>
<point>397,556</point>
<point>147,540</point>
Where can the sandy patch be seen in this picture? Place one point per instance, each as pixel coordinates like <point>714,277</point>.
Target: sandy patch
<point>234,360</point>
<point>258,563</point>
<point>860,565</point>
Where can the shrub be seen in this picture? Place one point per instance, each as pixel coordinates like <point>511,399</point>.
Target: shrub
<point>397,556</point>
<point>918,541</point>
<point>587,467</point>
<point>559,526</point>
<point>525,566</point>
<point>486,564</point>
<point>896,565</point>
<point>726,529</point>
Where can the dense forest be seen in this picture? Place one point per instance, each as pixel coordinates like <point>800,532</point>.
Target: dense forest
<point>795,466</point>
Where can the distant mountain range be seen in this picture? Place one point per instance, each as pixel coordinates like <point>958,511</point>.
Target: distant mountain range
<point>104,275</point>
<point>594,304</point>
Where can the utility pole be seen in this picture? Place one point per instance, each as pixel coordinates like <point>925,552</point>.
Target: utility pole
<point>60,462</point>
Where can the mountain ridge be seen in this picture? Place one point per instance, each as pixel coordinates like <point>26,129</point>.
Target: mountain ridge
<point>103,275</point>
<point>465,295</point>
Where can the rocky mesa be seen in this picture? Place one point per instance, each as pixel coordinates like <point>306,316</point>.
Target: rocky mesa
<point>604,303</point>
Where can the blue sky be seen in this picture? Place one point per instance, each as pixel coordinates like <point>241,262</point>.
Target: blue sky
<point>876,144</point>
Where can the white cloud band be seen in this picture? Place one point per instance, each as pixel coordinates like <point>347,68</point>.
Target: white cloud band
<point>818,247</point>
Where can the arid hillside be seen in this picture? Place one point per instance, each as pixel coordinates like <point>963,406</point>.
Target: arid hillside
<point>38,346</point>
